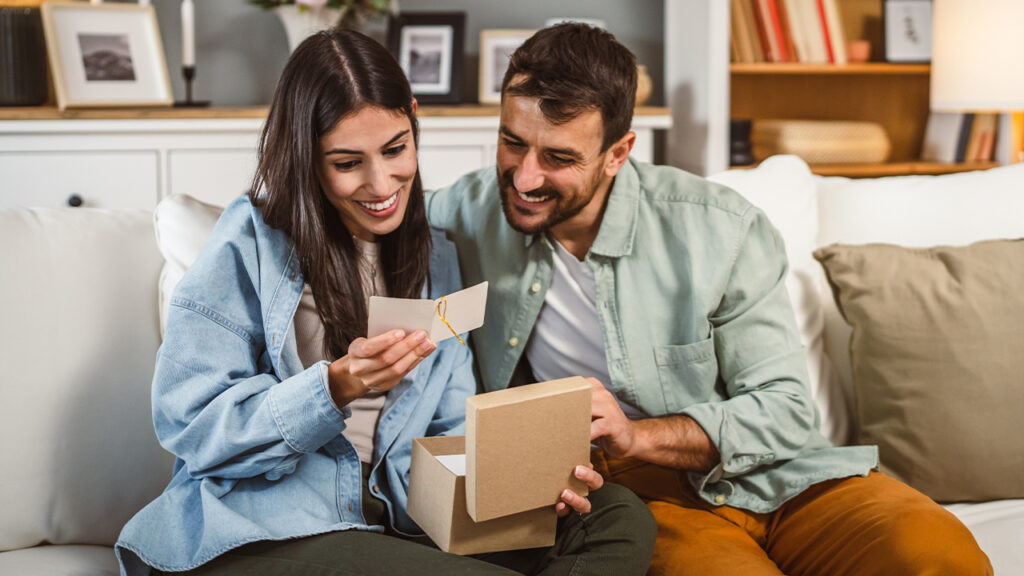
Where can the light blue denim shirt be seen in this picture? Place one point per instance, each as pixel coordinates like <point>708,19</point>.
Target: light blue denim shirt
<point>259,444</point>
<point>696,320</point>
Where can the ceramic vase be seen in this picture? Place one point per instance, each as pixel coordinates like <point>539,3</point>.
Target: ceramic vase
<point>299,25</point>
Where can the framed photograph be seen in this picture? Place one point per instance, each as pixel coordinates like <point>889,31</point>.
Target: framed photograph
<point>496,47</point>
<point>105,55</point>
<point>908,30</point>
<point>429,47</point>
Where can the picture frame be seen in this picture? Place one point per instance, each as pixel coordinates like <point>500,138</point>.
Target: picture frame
<point>496,46</point>
<point>430,46</point>
<point>104,55</point>
<point>908,30</point>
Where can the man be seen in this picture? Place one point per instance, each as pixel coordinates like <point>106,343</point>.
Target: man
<point>669,291</point>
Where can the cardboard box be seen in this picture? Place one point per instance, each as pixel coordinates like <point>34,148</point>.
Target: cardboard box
<point>521,447</point>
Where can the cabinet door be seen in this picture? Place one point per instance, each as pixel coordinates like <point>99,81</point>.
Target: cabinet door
<point>122,179</point>
<point>212,176</point>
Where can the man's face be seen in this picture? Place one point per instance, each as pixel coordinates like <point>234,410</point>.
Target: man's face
<point>549,173</point>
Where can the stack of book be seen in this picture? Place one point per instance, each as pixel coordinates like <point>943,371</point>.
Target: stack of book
<point>806,31</point>
<point>955,137</point>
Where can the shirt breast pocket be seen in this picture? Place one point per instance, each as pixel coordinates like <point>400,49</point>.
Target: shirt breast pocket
<point>687,372</point>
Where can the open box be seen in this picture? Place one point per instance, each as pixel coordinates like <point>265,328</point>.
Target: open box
<point>521,447</point>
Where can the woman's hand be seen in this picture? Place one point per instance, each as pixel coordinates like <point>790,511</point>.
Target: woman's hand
<point>377,363</point>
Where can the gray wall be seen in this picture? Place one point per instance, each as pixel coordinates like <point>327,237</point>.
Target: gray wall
<point>241,49</point>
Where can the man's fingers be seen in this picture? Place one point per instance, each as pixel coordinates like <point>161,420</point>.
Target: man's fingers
<point>577,502</point>
<point>589,476</point>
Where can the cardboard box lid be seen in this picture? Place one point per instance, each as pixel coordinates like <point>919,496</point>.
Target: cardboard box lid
<point>522,445</point>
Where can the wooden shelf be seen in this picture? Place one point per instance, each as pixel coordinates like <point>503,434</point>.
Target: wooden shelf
<point>866,68</point>
<point>893,95</point>
<point>896,169</point>
<point>52,113</point>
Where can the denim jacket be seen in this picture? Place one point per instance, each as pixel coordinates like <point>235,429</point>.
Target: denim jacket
<point>695,316</point>
<point>259,445</point>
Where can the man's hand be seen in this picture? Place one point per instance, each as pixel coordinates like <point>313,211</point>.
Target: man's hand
<point>674,441</point>
<point>609,427</point>
<point>377,363</point>
<point>572,500</point>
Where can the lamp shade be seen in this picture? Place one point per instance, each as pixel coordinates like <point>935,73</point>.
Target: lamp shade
<point>977,55</point>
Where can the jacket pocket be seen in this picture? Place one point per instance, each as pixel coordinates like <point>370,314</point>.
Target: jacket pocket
<point>688,373</point>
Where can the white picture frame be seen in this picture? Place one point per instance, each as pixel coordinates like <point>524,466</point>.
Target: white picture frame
<point>496,46</point>
<point>105,55</point>
<point>908,30</point>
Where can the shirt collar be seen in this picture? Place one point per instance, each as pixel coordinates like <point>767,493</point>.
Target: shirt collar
<point>618,226</point>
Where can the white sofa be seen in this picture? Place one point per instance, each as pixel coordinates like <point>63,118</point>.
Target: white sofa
<point>80,314</point>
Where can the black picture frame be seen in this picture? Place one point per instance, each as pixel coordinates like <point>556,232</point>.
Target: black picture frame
<point>430,48</point>
<point>907,26</point>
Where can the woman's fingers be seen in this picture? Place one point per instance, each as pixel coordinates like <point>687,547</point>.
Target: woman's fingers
<point>369,347</point>
<point>384,370</point>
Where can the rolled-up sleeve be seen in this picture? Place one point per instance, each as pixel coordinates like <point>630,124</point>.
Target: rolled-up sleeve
<point>768,414</point>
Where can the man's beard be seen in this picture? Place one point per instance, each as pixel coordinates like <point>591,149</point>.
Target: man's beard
<point>562,210</point>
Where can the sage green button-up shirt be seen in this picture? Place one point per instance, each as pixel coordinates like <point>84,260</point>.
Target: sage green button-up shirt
<point>692,302</point>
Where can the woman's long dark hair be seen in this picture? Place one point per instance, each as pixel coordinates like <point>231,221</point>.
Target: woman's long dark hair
<point>330,76</point>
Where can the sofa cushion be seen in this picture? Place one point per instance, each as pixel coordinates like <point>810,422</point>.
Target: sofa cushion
<point>998,526</point>
<point>71,560</point>
<point>937,363</point>
<point>784,188</point>
<point>183,225</point>
<point>914,211</point>
<point>79,339</point>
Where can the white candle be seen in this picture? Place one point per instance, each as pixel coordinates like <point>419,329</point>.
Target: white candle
<point>188,33</point>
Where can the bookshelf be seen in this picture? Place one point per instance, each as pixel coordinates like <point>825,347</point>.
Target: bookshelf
<point>893,95</point>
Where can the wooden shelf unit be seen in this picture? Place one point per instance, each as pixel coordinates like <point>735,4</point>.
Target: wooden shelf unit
<point>893,95</point>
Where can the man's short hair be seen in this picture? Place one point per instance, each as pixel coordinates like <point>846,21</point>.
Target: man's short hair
<point>573,68</point>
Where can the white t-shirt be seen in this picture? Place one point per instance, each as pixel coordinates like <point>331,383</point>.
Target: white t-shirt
<point>361,427</point>
<point>567,339</point>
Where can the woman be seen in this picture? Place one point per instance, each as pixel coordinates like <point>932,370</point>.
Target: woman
<point>292,431</point>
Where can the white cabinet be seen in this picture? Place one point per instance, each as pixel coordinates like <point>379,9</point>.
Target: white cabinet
<point>47,158</point>
<point>95,178</point>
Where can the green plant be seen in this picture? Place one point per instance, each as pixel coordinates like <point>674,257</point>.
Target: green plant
<point>355,11</point>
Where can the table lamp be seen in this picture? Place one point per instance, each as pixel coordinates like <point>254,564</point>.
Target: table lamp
<point>977,56</point>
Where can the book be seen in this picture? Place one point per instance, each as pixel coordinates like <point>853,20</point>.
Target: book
<point>741,32</point>
<point>823,22</point>
<point>794,23</point>
<point>787,33</point>
<point>776,29</point>
<point>812,31</point>
<point>941,136</point>
<point>764,28</point>
<point>985,126</point>
<point>837,38</point>
<point>752,32</point>
<point>964,136</point>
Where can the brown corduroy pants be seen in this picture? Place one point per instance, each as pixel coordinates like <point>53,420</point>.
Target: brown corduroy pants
<point>856,526</point>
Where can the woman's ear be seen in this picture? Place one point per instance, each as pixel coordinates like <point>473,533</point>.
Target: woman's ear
<point>415,105</point>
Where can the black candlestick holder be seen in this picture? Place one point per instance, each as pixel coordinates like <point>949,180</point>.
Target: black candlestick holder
<point>189,72</point>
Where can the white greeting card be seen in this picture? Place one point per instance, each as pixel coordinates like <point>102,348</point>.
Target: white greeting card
<point>462,311</point>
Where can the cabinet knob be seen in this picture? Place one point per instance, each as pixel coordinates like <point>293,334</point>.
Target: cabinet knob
<point>75,201</point>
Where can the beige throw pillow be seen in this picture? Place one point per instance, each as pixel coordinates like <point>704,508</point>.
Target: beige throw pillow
<point>938,362</point>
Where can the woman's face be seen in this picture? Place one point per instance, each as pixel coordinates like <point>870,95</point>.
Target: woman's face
<point>366,166</point>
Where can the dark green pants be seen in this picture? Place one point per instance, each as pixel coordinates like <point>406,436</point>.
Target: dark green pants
<point>616,539</point>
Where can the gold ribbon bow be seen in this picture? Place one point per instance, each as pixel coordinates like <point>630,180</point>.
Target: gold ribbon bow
<point>441,312</point>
